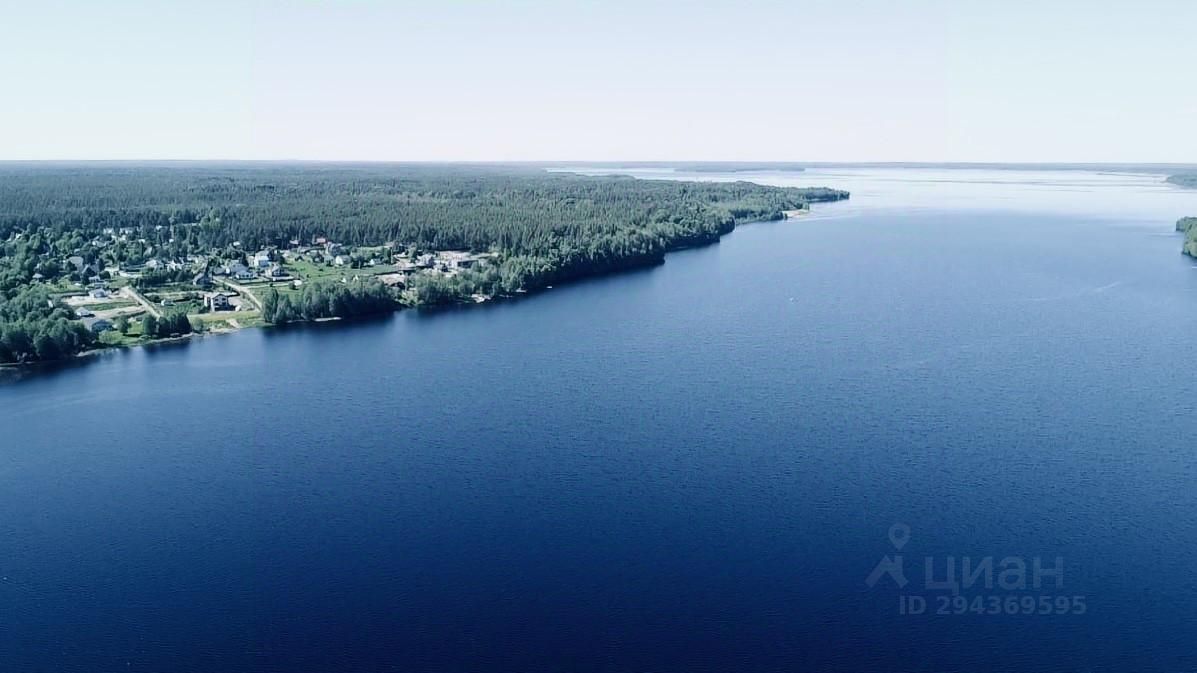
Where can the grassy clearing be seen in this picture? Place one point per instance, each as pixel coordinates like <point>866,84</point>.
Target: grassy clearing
<point>307,271</point>
<point>221,319</point>
<point>115,339</point>
<point>109,305</point>
<point>189,306</point>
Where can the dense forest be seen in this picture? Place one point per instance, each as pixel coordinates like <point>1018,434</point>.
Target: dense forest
<point>544,227</point>
<point>34,327</point>
<point>520,211</point>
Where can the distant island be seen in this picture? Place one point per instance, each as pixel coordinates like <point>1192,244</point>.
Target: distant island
<point>685,166</point>
<point>1184,180</point>
<point>736,167</point>
<point>113,254</point>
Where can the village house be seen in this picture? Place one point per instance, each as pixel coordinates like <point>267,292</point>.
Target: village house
<point>97,325</point>
<point>203,279</point>
<point>81,268</point>
<point>218,301</point>
<point>98,293</point>
<point>238,270</point>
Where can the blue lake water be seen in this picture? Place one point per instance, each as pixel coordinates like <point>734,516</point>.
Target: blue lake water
<point>694,467</point>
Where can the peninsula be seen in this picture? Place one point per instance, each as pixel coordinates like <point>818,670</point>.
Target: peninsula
<point>112,254</point>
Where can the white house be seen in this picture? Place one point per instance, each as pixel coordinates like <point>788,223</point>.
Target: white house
<point>218,301</point>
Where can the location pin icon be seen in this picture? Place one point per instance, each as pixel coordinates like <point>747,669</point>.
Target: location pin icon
<point>899,535</point>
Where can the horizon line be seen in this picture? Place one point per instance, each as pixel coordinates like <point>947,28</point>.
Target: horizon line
<point>615,162</point>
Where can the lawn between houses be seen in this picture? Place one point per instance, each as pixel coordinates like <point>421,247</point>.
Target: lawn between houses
<point>189,298</point>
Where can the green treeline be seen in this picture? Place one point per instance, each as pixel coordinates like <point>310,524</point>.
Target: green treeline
<point>172,324</point>
<point>1188,227</point>
<point>522,211</point>
<point>328,299</point>
<point>35,328</point>
<point>159,277</point>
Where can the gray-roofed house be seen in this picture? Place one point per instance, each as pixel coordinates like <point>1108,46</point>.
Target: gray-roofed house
<point>97,325</point>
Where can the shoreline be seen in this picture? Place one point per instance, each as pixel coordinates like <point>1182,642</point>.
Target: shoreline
<point>635,264</point>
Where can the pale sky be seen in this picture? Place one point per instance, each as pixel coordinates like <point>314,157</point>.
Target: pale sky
<point>750,80</point>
